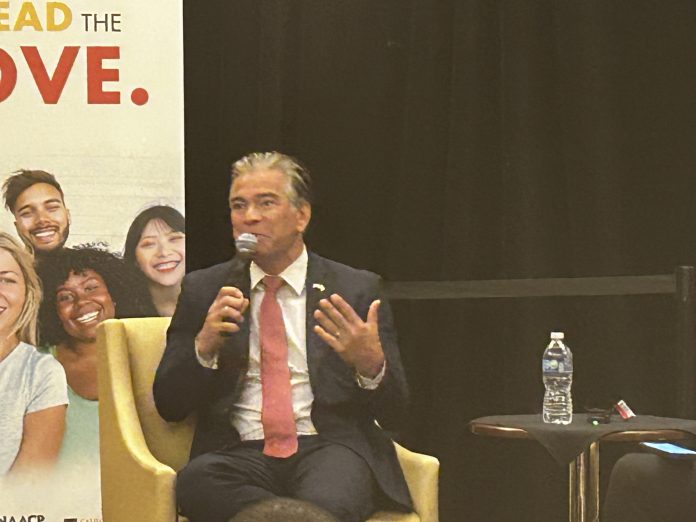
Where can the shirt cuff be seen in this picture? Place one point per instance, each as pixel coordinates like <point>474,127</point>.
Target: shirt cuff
<point>367,383</point>
<point>211,362</point>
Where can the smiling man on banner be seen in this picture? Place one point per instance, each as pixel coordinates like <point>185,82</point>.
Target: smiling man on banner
<point>36,200</point>
<point>288,361</point>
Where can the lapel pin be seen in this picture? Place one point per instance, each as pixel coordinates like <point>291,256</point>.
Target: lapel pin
<point>318,286</point>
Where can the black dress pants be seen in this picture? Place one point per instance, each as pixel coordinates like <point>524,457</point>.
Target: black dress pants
<point>649,488</point>
<point>215,486</point>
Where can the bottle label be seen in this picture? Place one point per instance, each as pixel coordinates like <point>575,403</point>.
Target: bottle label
<point>555,366</point>
<point>549,365</point>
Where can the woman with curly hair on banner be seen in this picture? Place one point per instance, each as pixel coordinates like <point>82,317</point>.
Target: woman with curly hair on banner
<point>32,385</point>
<point>156,246</point>
<point>83,286</point>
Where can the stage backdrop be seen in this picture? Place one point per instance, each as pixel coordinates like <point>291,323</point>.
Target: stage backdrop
<point>92,93</point>
<point>471,139</point>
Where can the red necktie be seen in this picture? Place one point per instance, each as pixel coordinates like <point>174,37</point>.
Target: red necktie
<point>277,417</point>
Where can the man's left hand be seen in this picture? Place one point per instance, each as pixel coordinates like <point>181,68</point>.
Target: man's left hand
<point>354,340</point>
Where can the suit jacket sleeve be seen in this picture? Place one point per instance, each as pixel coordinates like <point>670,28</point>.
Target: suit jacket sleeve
<point>181,383</point>
<point>388,403</point>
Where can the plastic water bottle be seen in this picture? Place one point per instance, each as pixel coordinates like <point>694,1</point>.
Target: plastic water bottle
<point>557,371</point>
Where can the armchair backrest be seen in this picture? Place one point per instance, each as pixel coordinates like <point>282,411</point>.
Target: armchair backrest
<point>133,349</point>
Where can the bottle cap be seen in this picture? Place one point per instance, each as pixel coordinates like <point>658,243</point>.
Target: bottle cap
<point>557,336</point>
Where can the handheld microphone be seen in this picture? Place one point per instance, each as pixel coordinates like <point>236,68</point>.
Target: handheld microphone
<point>245,246</point>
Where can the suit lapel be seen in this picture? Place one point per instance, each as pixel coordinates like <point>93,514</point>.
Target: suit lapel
<point>319,285</point>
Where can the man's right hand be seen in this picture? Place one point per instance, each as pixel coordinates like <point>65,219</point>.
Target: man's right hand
<point>223,318</point>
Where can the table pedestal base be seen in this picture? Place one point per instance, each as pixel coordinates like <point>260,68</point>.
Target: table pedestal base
<point>583,486</point>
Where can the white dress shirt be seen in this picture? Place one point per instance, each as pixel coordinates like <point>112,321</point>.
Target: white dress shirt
<point>292,298</point>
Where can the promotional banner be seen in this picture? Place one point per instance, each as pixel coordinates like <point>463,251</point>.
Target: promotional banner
<point>92,161</point>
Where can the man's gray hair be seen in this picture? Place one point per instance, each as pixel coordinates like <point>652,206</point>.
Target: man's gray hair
<point>299,181</point>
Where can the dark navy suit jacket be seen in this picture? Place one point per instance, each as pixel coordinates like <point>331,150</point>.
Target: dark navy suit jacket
<point>342,412</point>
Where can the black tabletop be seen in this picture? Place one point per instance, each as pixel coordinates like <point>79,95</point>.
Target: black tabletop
<point>564,443</point>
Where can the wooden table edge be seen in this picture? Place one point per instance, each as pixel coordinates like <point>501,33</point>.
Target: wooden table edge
<point>494,430</point>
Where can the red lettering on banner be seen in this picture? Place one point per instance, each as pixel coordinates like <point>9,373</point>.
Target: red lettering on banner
<point>140,96</point>
<point>8,75</point>
<point>97,75</point>
<point>49,87</point>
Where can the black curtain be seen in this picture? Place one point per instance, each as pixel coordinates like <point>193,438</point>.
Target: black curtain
<point>471,139</point>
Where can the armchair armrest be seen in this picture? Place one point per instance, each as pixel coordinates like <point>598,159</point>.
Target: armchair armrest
<point>421,473</point>
<point>135,486</point>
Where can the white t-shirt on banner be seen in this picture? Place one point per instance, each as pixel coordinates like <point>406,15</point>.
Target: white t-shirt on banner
<point>29,381</point>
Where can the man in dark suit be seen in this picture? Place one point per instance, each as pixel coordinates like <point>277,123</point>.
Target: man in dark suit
<point>305,428</point>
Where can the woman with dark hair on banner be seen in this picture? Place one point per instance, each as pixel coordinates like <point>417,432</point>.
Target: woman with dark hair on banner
<point>156,246</point>
<point>83,286</point>
<point>32,385</point>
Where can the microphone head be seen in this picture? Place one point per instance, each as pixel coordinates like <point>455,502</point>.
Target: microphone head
<point>245,245</point>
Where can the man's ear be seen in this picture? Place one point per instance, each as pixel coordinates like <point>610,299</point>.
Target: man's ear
<point>69,217</point>
<point>304,215</point>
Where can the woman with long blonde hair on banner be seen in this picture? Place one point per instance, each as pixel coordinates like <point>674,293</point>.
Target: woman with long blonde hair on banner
<point>32,385</point>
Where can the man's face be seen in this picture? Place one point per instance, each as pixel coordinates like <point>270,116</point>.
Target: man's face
<point>41,218</point>
<point>259,204</point>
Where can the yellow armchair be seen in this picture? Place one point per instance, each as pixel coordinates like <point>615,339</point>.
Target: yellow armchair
<point>140,452</point>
